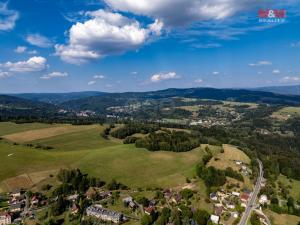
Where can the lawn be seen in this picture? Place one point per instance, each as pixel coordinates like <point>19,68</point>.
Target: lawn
<point>10,128</point>
<point>99,157</point>
<point>294,184</point>
<point>37,134</point>
<point>282,219</point>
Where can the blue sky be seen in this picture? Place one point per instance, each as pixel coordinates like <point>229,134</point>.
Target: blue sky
<point>129,45</point>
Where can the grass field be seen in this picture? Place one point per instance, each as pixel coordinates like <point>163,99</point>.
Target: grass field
<point>227,158</point>
<point>94,155</point>
<point>286,112</point>
<point>10,128</point>
<point>37,134</point>
<point>294,184</point>
<point>282,219</point>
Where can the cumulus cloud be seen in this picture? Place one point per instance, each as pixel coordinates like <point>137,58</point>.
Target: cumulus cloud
<point>276,71</point>
<point>54,75</point>
<point>91,82</point>
<point>39,40</point>
<point>290,79</point>
<point>20,49</point>
<point>261,63</point>
<point>33,64</point>
<point>198,81</point>
<point>164,76</point>
<point>99,77</point>
<point>4,74</point>
<point>182,12</point>
<point>104,33</point>
<point>8,17</point>
<point>216,73</point>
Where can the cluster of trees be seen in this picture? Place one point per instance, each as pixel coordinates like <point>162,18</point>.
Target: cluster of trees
<point>212,177</point>
<point>133,128</point>
<point>176,141</point>
<point>182,215</point>
<point>75,181</point>
<point>229,172</point>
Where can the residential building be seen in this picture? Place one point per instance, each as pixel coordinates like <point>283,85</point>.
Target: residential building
<point>215,219</point>
<point>104,214</point>
<point>5,218</point>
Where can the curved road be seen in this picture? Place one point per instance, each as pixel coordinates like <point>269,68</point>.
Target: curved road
<point>253,197</point>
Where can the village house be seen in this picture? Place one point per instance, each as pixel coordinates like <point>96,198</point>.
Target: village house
<point>213,196</point>
<point>128,201</point>
<point>215,219</point>
<point>149,210</point>
<point>104,214</point>
<point>218,209</point>
<point>245,197</point>
<point>5,218</point>
<point>234,193</point>
<point>91,193</point>
<point>34,200</point>
<point>17,207</point>
<point>73,198</point>
<point>74,209</point>
<point>263,199</point>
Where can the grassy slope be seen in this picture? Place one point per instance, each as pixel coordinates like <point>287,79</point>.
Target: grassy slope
<point>282,219</point>
<point>295,186</point>
<point>9,128</point>
<point>99,157</point>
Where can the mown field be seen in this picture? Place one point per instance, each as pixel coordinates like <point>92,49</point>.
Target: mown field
<point>282,219</point>
<point>83,147</point>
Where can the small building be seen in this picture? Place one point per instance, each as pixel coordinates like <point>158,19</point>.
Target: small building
<point>149,210</point>
<point>234,193</point>
<point>263,199</point>
<point>215,219</point>
<point>230,205</point>
<point>218,210</point>
<point>235,215</point>
<point>105,194</point>
<point>16,193</point>
<point>213,196</point>
<point>245,197</point>
<point>73,198</point>
<point>34,200</point>
<point>91,193</point>
<point>104,214</point>
<point>5,218</point>
<point>74,209</point>
<point>17,207</point>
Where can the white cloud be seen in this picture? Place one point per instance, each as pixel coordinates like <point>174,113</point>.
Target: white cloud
<point>33,64</point>
<point>164,76</point>
<point>20,49</point>
<point>4,74</point>
<point>91,82</point>
<point>39,40</point>
<point>8,17</point>
<point>259,72</point>
<point>198,81</point>
<point>105,33</point>
<point>182,12</point>
<point>276,71</point>
<point>289,79</point>
<point>99,77</point>
<point>54,75</point>
<point>261,63</point>
<point>32,52</point>
<point>134,72</point>
<point>216,73</point>
<point>108,86</point>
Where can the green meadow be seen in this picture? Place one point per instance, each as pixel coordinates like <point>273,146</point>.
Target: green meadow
<point>87,150</point>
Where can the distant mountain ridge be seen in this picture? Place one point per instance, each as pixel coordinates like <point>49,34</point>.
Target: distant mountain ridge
<point>57,98</point>
<point>285,90</point>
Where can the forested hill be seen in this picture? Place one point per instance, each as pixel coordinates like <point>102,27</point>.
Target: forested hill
<point>284,90</point>
<point>11,107</point>
<point>98,103</point>
<point>57,98</point>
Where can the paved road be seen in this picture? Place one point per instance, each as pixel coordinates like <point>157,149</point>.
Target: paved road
<point>253,197</point>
